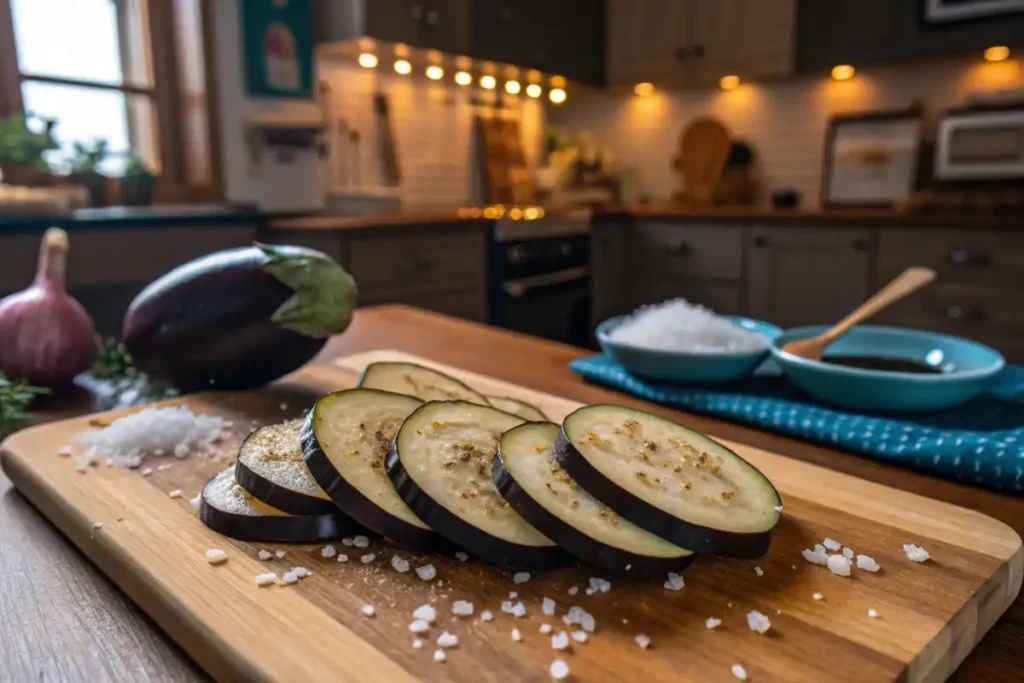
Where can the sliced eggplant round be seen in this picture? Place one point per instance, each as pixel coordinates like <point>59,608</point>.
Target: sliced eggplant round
<point>426,384</point>
<point>271,469</point>
<point>345,441</point>
<point>525,410</point>
<point>227,509</point>
<point>441,464</point>
<point>672,481</point>
<point>538,488</point>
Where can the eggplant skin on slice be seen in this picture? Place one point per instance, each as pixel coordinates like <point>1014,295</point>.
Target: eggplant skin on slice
<point>440,464</point>
<point>426,384</point>
<point>238,318</point>
<point>345,440</point>
<point>270,468</point>
<point>525,410</point>
<point>227,509</point>
<point>672,481</point>
<point>569,515</point>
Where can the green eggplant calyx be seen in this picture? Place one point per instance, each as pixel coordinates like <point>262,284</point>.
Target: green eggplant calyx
<point>325,294</point>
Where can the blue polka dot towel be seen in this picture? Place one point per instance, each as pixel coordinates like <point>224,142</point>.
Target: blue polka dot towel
<point>980,442</point>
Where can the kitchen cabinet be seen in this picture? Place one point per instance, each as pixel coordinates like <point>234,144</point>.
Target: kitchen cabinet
<point>806,276</point>
<point>438,24</point>
<point>681,43</point>
<point>864,31</point>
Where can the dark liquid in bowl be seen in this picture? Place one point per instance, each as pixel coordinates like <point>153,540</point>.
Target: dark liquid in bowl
<point>885,364</point>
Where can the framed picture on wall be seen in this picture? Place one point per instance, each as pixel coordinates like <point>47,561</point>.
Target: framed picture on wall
<point>871,159</point>
<point>950,11</point>
<point>277,44</point>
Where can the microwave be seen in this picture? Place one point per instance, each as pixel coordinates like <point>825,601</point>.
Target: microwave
<point>980,145</point>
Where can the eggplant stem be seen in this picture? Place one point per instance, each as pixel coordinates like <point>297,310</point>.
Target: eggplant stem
<point>53,258</point>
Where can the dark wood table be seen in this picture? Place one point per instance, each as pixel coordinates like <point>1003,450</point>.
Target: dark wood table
<point>60,619</point>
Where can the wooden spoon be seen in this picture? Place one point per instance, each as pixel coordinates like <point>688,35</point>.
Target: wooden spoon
<point>910,280</point>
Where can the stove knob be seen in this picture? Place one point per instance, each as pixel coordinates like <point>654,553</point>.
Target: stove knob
<point>515,254</point>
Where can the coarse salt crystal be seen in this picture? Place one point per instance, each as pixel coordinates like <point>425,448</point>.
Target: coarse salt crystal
<point>915,553</point>
<point>579,636</point>
<point>163,468</point>
<point>361,541</point>
<point>462,608</point>
<point>342,557</point>
<point>196,502</point>
<point>677,325</point>
<point>462,557</point>
<point>574,590</point>
<point>284,407</point>
<point>601,585</point>
<point>839,565</point>
<point>739,672</point>
<point>266,579</point>
<point>590,591</point>
<point>279,554</point>
<point>439,656</point>
<point>545,628</point>
<point>447,640</point>
<point>674,582</point>
<point>346,541</point>
<point>328,551</point>
<point>712,622</point>
<point>560,641</point>
<point>848,553</point>
<point>399,565</point>
<point>512,595</point>
<point>176,493</point>
<point>758,622</point>
<point>487,615</point>
<point>180,451</point>
<point>425,612</point>
<point>216,556</point>
<point>426,572</point>
<point>369,610</point>
<point>778,508</point>
<point>642,640</point>
<point>127,440</point>
<point>516,635</point>
<point>758,571</point>
<point>146,471</point>
<point>521,577</point>
<point>368,558</point>
<point>816,556</point>
<point>831,544</point>
<point>818,596</point>
<point>873,614</point>
<point>97,525</point>
<point>64,451</point>
<point>289,577</point>
<point>867,563</point>
<point>417,644</point>
<point>264,555</point>
<point>559,669</point>
<point>419,626</point>
<point>547,606</point>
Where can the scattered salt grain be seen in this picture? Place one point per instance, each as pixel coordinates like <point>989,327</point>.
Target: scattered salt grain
<point>590,591</point>
<point>516,635</point>
<point>426,572</point>
<point>176,493</point>
<point>642,640</point>
<point>447,640</point>
<point>521,577</point>
<point>758,571</point>
<point>628,567</point>
<point>625,621</point>
<point>417,644</point>
<point>831,544</point>
<point>346,541</point>
<point>439,656</point>
<point>419,626</point>
<point>216,556</point>
<point>579,636</point>
<point>816,556</point>
<point>342,557</point>
<point>818,596</point>
<point>758,622</point>
<point>867,563</point>
<point>368,558</point>
<point>127,440</point>
<point>146,471</point>
<point>361,541</point>
<point>64,451</point>
<point>712,622</point>
<point>915,553</point>
<point>848,553</point>
<point>369,610</point>
<point>426,613</point>
<point>399,565</point>
<point>778,508</point>
<point>279,554</point>
<point>601,585</point>
<point>462,608</point>
<point>547,606</point>
<point>284,407</point>
<point>461,556</point>
<point>545,628</point>
<point>487,615</point>
<point>674,582</point>
<point>195,502</point>
<point>512,595</point>
<point>677,325</point>
<point>739,672</point>
<point>873,614</point>
<point>328,551</point>
<point>559,669</point>
<point>266,579</point>
<point>559,641</point>
<point>302,572</point>
<point>163,468</point>
<point>574,590</point>
<point>515,609</point>
<point>264,555</point>
<point>289,577</point>
<point>839,565</point>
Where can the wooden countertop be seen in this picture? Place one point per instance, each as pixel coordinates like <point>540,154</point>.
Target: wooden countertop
<point>405,218</point>
<point>60,616</point>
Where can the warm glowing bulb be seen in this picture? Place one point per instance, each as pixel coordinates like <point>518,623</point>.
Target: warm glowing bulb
<point>463,78</point>
<point>367,60</point>
<point>515,214</point>
<point>729,82</point>
<point>488,82</point>
<point>644,89</point>
<point>557,95</point>
<point>403,67</point>
<point>512,87</point>
<point>435,73</point>
<point>997,53</point>
<point>843,72</point>
<point>531,213</point>
<point>534,90</point>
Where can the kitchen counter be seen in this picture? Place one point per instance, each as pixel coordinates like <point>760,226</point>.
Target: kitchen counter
<point>63,619</point>
<point>168,215</point>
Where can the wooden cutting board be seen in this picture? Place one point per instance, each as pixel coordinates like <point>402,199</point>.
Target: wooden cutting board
<point>929,615</point>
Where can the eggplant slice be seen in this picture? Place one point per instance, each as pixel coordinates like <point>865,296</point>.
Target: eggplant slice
<point>420,381</point>
<point>441,464</point>
<point>345,441</point>
<point>271,469</point>
<point>674,482</point>
<point>538,488</point>
<point>225,507</point>
<point>523,409</point>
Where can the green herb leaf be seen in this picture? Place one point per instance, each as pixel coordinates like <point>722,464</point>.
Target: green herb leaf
<point>325,294</point>
<point>15,398</point>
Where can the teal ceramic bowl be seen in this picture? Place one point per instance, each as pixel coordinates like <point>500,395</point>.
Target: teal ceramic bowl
<point>676,366</point>
<point>968,369</point>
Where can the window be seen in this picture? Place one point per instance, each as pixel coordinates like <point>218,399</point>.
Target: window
<point>130,72</point>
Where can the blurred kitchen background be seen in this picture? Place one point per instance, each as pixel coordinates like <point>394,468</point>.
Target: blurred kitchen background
<point>536,164</point>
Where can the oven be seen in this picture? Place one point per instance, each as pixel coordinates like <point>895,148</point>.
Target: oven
<point>947,11</point>
<point>980,145</point>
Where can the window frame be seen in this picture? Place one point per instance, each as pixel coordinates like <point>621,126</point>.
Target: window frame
<point>165,94</point>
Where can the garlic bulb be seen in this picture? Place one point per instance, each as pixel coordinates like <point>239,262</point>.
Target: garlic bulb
<point>46,337</point>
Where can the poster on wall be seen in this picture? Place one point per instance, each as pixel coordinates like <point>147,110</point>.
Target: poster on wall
<point>277,44</point>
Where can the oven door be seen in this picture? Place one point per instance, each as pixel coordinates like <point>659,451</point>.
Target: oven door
<point>946,11</point>
<point>550,305</point>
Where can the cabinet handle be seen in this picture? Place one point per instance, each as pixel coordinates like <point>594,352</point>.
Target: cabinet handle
<point>680,54</point>
<point>761,241</point>
<point>860,244</point>
<point>416,13</point>
<point>681,249</point>
<point>967,259</point>
<point>698,51</point>
<point>432,18</point>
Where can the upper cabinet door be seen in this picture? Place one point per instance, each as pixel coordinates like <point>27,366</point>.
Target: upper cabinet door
<point>507,31</point>
<point>852,31</point>
<point>396,21</point>
<point>748,38</point>
<point>446,25</point>
<point>648,41</point>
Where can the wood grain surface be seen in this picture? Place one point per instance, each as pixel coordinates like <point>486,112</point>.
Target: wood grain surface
<point>152,546</point>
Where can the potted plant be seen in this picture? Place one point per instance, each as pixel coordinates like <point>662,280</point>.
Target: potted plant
<point>138,184</point>
<point>84,173</point>
<point>21,149</point>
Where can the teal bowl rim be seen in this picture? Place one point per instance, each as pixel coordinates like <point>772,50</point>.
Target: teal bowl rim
<point>978,373</point>
<point>605,326</point>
